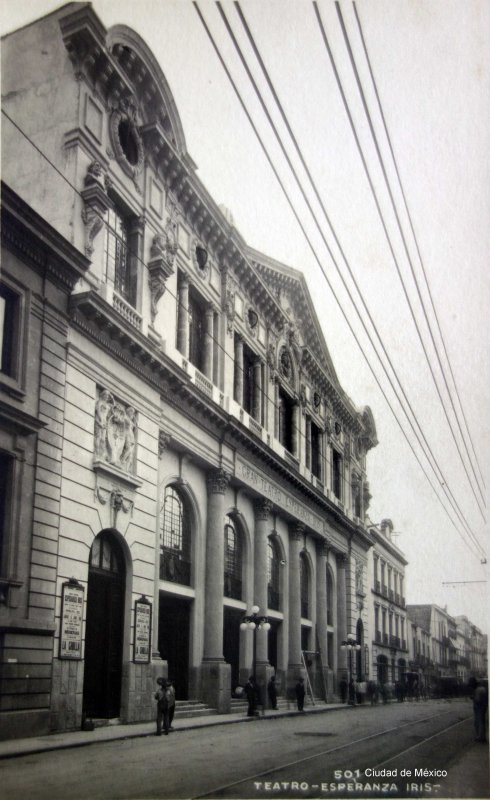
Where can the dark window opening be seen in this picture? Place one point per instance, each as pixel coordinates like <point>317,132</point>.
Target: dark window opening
<point>273,564</point>
<point>329,598</point>
<point>118,260</point>
<point>337,474</point>
<point>315,450</point>
<point>174,540</point>
<point>128,141</point>
<point>105,555</point>
<point>356,495</point>
<point>197,327</point>
<point>304,587</point>
<point>233,562</point>
<point>9,331</point>
<point>6,476</point>
<point>286,420</point>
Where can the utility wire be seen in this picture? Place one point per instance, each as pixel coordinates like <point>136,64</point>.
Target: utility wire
<point>223,15</point>
<point>388,137</point>
<point>237,93</point>
<point>395,211</point>
<point>297,430</point>
<point>136,255</point>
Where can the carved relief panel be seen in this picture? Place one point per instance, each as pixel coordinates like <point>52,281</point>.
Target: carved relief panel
<point>116,429</point>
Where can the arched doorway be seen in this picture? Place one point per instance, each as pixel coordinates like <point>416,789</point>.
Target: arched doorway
<point>104,629</point>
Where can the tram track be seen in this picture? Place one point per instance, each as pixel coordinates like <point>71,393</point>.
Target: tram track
<point>346,746</point>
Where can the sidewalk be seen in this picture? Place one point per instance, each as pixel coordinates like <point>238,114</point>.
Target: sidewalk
<point>469,776</point>
<point>108,733</point>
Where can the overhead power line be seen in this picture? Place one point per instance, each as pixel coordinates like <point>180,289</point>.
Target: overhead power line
<point>409,216</point>
<point>407,253</point>
<point>271,164</point>
<point>442,480</point>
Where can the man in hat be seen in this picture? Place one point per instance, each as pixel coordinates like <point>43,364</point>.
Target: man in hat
<point>165,697</point>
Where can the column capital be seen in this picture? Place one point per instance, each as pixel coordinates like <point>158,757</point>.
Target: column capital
<point>342,559</point>
<point>297,532</point>
<point>163,442</point>
<point>217,481</point>
<point>323,547</point>
<point>263,508</point>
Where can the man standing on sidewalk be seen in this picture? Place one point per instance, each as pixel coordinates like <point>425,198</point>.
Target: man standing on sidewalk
<point>480,710</point>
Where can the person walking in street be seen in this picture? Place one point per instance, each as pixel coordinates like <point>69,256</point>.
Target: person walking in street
<point>300,694</point>
<point>480,710</point>
<point>272,692</point>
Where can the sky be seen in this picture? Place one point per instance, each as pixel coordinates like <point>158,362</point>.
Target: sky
<point>431,63</point>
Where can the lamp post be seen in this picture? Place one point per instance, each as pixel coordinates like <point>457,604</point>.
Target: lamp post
<point>350,644</point>
<point>254,622</point>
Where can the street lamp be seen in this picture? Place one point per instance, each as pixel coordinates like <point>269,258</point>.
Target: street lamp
<point>253,622</point>
<point>350,644</point>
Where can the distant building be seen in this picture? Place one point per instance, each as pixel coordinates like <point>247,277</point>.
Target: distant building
<point>441,662</point>
<point>388,623</point>
<point>473,646</point>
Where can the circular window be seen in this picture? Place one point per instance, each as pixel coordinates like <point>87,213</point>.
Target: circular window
<point>129,144</point>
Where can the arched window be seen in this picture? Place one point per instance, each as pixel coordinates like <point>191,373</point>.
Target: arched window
<point>174,540</point>
<point>105,554</point>
<point>233,561</point>
<point>329,597</point>
<point>304,586</point>
<point>273,562</point>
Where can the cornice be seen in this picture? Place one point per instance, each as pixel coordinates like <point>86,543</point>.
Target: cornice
<point>30,237</point>
<point>24,423</point>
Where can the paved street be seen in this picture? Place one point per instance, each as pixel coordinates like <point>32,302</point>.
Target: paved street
<point>299,756</point>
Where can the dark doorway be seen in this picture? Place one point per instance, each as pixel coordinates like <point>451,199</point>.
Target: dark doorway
<point>104,629</point>
<point>173,641</point>
<point>232,618</point>
<point>360,653</point>
<point>272,643</point>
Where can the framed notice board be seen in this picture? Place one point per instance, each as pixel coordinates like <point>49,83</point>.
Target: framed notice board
<point>72,594</point>
<point>142,631</point>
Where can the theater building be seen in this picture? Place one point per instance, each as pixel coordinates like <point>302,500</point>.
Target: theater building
<point>175,443</point>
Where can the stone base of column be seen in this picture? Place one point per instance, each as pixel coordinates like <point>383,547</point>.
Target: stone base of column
<point>159,667</point>
<point>216,685</point>
<point>263,673</point>
<point>294,673</point>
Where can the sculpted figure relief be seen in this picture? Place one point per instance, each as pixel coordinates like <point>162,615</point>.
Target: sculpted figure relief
<point>115,431</point>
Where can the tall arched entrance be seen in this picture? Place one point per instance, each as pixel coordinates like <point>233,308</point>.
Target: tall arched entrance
<point>104,628</point>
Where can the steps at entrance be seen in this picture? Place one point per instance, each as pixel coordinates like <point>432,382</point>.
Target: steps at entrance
<point>192,708</point>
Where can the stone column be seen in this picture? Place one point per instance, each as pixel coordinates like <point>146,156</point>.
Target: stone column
<point>342,562</point>
<point>238,376</point>
<point>183,318</point>
<point>208,343</point>
<point>216,675</point>
<point>276,408</point>
<point>261,557</point>
<point>295,666</point>
<point>321,601</point>
<point>257,399</point>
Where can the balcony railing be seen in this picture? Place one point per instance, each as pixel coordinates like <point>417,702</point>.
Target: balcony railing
<point>174,568</point>
<point>384,591</point>
<point>204,384</point>
<point>394,641</point>
<point>254,426</point>
<point>127,311</point>
<point>397,599</point>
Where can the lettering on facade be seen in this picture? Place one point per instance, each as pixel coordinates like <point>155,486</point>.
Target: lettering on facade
<point>71,620</point>
<point>254,479</point>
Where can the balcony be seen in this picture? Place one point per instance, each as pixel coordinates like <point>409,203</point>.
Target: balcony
<point>204,384</point>
<point>384,591</point>
<point>174,568</point>
<point>397,599</point>
<point>127,311</point>
<point>394,641</point>
<point>404,644</point>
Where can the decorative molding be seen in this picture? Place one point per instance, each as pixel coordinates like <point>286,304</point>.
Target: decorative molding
<point>124,111</point>
<point>298,532</point>
<point>95,204</point>
<point>200,259</point>
<point>217,481</point>
<point>116,430</point>
<point>164,440</point>
<point>160,266</point>
<point>263,508</point>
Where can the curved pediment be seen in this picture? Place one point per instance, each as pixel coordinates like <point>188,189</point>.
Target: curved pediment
<point>150,85</point>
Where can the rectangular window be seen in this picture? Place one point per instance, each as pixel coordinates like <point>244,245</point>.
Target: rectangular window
<point>337,474</point>
<point>286,420</point>
<point>116,253</point>
<point>197,327</point>
<point>6,479</point>
<point>10,307</point>
<point>315,451</point>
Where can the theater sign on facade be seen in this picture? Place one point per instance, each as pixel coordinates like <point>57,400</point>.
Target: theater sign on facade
<point>175,444</point>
